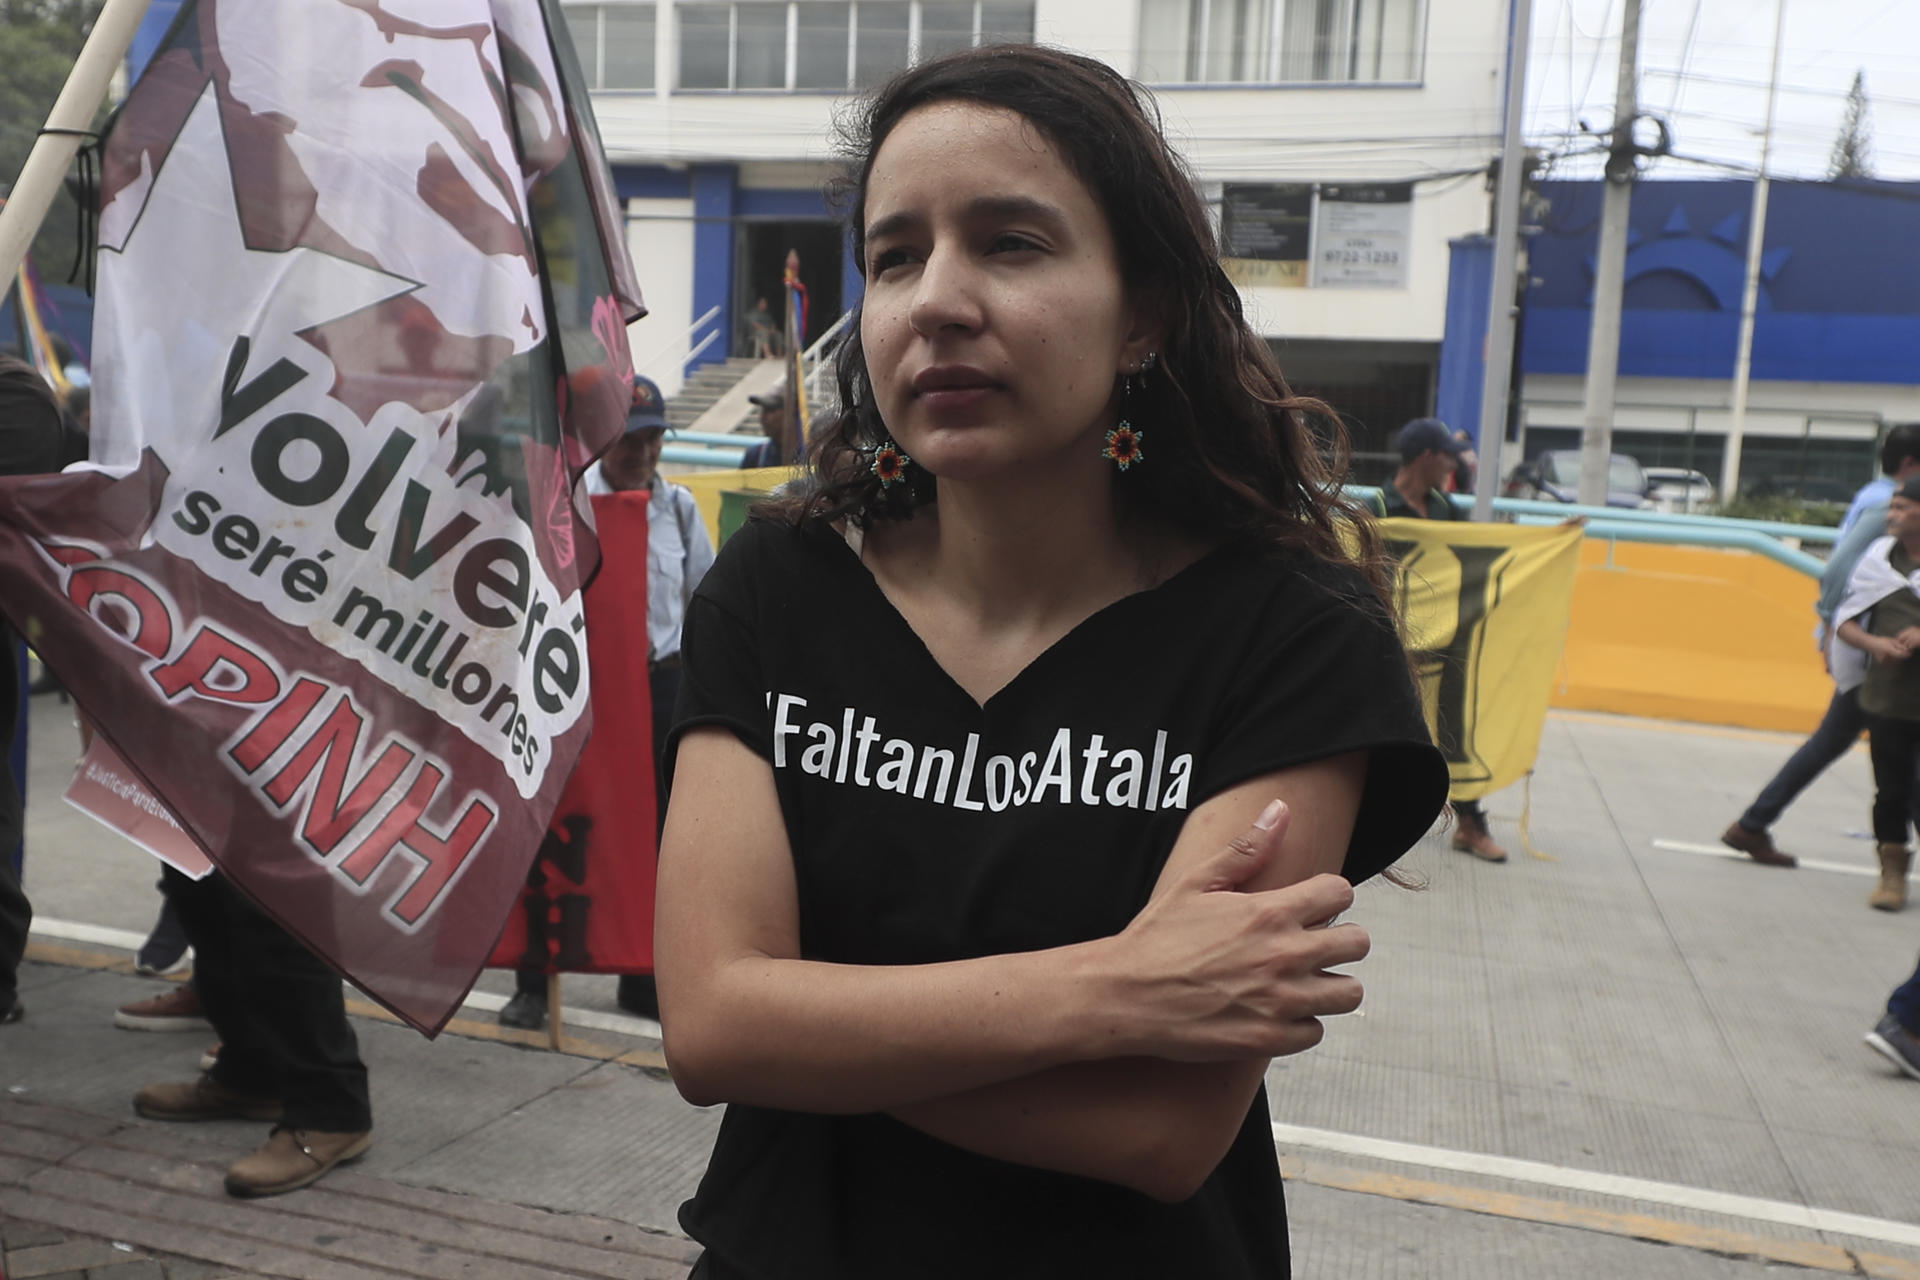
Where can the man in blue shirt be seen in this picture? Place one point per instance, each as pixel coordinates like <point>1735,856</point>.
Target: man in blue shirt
<point>1844,721</point>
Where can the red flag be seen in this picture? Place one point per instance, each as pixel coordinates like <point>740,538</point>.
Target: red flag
<point>588,906</point>
<point>363,297</point>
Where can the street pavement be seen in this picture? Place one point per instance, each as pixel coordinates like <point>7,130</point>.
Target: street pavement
<point>1629,1056</point>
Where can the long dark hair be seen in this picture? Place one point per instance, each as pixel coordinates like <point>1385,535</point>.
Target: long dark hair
<point>1231,452</point>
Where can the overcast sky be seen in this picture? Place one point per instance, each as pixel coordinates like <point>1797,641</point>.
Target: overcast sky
<point>1704,67</point>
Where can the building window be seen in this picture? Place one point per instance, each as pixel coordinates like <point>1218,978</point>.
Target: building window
<point>831,45</point>
<point>1276,41</point>
<point>615,43</point>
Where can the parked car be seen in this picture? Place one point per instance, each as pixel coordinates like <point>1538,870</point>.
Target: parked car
<point>1679,489</point>
<point>1554,476</point>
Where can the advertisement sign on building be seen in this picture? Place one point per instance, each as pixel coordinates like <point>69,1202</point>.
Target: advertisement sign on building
<point>1362,236</point>
<point>1265,234</point>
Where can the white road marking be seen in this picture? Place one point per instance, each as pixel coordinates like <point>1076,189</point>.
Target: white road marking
<point>1721,851</point>
<point>480,1001</point>
<point>1727,1204</point>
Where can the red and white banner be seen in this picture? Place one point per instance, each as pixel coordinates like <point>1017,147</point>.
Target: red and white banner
<point>361,323</point>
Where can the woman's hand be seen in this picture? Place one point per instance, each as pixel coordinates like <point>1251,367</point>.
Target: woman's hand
<point>1216,970</point>
<point>1892,648</point>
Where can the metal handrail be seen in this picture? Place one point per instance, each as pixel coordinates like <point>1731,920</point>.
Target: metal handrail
<point>684,335</point>
<point>1772,528</point>
<point>1762,537</point>
<point>1670,535</point>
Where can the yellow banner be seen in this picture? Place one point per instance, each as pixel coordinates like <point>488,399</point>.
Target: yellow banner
<point>1486,609</point>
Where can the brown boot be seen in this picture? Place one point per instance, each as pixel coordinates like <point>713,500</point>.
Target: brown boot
<point>202,1099</point>
<point>1891,893</point>
<point>1757,845</point>
<point>292,1158</point>
<point>1471,836</point>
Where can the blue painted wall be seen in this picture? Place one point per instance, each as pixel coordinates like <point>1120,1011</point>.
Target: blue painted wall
<point>1839,296</point>
<point>1463,356</point>
<point>714,196</point>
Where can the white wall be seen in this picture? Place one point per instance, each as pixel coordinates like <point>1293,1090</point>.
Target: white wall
<point>1431,133</point>
<point>660,238</point>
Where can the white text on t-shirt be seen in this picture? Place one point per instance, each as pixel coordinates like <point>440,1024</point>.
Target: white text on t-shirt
<point>1093,774</point>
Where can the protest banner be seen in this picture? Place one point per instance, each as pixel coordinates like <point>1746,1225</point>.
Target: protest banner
<point>588,902</point>
<point>1485,609</point>
<point>363,292</point>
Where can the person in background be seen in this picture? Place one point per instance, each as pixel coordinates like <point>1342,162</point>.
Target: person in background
<point>760,330</point>
<point>1429,457</point>
<point>1877,627</point>
<point>1844,721</point>
<point>30,443</point>
<point>1895,1037</point>
<point>780,448</point>
<point>679,553</point>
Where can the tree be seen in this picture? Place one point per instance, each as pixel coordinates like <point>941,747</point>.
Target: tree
<point>39,39</point>
<point>1853,149</point>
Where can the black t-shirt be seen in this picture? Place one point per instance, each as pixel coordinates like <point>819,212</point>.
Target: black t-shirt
<point>927,828</point>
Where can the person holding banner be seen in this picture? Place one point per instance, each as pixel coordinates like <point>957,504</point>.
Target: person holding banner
<point>30,443</point>
<point>679,553</point>
<point>1023,763</point>
<point>1429,455</point>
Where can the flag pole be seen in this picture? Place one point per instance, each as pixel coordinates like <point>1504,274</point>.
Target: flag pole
<point>67,124</point>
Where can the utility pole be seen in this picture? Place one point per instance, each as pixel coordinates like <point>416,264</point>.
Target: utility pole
<point>1502,308</point>
<point>1603,342</point>
<point>1750,295</point>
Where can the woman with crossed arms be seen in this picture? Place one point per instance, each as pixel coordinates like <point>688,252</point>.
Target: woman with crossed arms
<point>1024,763</point>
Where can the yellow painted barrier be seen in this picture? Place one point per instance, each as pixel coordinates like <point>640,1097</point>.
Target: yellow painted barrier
<point>708,486</point>
<point>1693,633</point>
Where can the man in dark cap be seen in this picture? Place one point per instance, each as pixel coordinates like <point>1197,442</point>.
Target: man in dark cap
<point>1428,455</point>
<point>780,448</point>
<point>30,443</point>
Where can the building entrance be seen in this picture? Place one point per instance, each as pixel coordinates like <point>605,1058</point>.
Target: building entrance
<point>760,257</point>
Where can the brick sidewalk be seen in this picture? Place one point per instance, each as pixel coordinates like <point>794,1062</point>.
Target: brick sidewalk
<point>72,1183</point>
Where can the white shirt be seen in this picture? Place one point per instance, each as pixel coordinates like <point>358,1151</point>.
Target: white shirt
<point>679,553</point>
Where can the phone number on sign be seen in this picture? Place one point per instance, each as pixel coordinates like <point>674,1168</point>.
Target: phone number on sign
<point>1372,257</point>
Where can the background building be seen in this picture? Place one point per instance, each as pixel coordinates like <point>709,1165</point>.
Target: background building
<point>1836,341</point>
<point>1343,142</point>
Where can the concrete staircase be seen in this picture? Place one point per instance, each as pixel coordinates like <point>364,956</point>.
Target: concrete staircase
<point>705,388</point>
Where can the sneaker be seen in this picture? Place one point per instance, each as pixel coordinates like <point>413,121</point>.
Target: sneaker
<point>15,1012</point>
<point>1896,1044</point>
<point>210,1057</point>
<point>1757,845</point>
<point>175,1010</point>
<point>526,1011</point>
<point>165,949</point>
<point>292,1158</point>
<point>202,1098</point>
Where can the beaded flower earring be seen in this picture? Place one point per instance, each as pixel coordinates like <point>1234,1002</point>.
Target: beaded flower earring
<point>889,464</point>
<point>1123,442</point>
